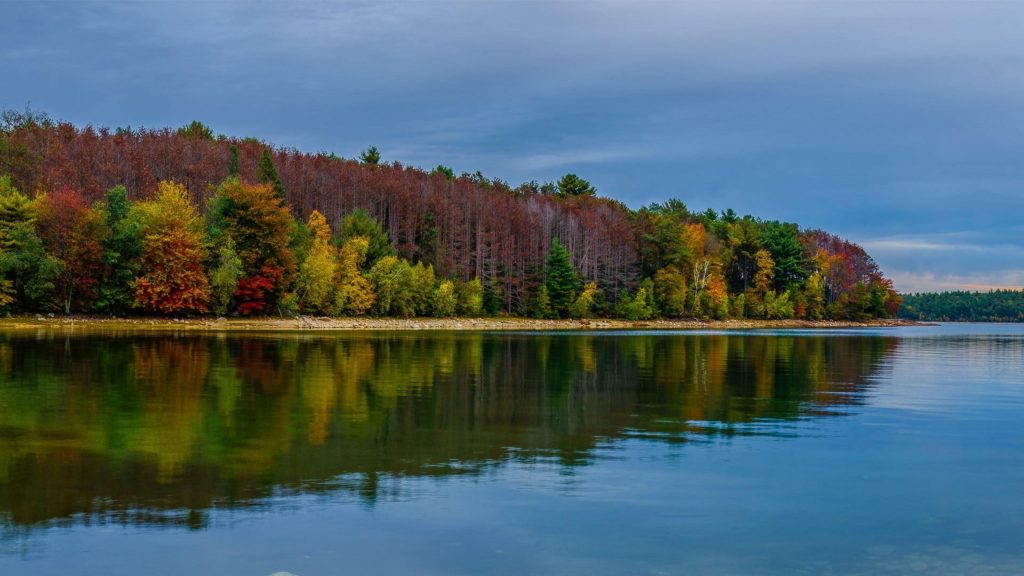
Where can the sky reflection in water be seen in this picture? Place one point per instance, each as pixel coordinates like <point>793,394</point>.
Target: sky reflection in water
<point>767,452</point>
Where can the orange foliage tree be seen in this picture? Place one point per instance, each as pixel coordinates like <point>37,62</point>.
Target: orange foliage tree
<point>172,277</point>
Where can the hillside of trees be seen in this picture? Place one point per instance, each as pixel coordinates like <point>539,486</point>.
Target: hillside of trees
<point>994,306</point>
<point>182,221</point>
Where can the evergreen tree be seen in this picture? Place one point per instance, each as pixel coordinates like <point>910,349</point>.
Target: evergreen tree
<point>27,272</point>
<point>427,247</point>
<point>233,161</point>
<point>196,130</point>
<point>573,185</point>
<point>542,303</point>
<point>122,247</point>
<point>492,299</point>
<point>448,173</point>
<point>15,209</point>
<point>782,240</point>
<point>267,173</point>
<point>370,156</point>
<point>561,279</point>
<point>360,223</point>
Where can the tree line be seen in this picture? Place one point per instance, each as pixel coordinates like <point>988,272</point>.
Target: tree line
<point>963,306</point>
<point>185,222</point>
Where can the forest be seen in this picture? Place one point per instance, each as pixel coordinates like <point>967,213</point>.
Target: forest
<point>183,222</point>
<point>962,306</point>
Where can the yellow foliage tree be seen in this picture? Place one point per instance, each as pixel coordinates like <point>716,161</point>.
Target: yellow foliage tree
<point>445,299</point>
<point>6,293</point>
<point>318,271</point>
<point>761,296</point>
<point>354,295</point>
<point>765,272</point>
<point>318,227</point>
<point>814,292</point>
<point>422,288</point>
<point>695,238</point>
<point>581,307</point>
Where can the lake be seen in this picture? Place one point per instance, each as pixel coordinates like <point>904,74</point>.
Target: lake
<point>873,451</point>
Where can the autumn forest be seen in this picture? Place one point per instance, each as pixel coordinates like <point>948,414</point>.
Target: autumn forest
<point>183,221</point>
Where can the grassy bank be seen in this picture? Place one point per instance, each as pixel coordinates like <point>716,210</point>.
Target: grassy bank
<point>339,324</point>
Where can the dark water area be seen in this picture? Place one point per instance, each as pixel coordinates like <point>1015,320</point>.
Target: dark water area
<point>887,451</point>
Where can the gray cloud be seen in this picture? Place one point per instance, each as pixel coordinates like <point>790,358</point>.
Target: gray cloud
<point>890,123</point>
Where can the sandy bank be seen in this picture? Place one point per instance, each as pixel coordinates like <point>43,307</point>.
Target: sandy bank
<point>330,324</point>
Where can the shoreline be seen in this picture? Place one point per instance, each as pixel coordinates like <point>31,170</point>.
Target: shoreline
<point>322,324</point>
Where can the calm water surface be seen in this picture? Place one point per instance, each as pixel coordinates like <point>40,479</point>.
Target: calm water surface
<point>888,451</point>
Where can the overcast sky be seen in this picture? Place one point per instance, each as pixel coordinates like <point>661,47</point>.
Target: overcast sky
<point>899,125</point>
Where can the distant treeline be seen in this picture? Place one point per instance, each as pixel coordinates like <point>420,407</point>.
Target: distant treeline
<point>994,306</point>
<point>179,221</point>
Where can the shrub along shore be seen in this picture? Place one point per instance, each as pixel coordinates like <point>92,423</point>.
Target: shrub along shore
<point>306,323</point>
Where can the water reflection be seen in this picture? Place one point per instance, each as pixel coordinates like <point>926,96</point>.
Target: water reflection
<point>159,430</point>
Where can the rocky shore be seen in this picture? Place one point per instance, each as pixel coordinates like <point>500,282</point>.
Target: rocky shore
<point>337,324</point>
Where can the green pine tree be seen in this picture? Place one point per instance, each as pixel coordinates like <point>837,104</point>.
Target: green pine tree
<point>561,279</point>
<point>360,223</point>
<point>573,185</point>
<point>122,249</point>
<point>370,156</point>
<point>268,173</point>
<point>449,174</point>
<point>196,130</point>
<point>542,303</point>
<point>233,161</point>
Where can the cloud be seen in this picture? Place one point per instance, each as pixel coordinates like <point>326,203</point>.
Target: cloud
<point>990,239</point>
<point>909,282</point>
<point>889,123</point>
<point>572,158</point>
<point>910,244</point>
<point>957,260</point>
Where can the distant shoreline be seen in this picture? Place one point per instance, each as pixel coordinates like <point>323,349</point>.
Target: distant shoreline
<point>310,323</point>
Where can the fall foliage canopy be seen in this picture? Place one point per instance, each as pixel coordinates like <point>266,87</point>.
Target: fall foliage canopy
<point>187,221</point>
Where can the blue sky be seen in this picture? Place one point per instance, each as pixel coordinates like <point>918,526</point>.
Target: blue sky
<point>899,125</point>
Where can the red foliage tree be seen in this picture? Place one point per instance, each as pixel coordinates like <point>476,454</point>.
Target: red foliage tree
<point>261,227</point>
<point>72,232</point>
<point>253,292</point>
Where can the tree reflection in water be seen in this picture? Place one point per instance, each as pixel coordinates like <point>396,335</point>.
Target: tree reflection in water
<point>157,430</point>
